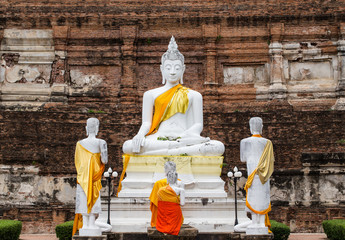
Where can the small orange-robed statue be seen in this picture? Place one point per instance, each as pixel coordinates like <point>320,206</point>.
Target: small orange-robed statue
<point>170,199</point>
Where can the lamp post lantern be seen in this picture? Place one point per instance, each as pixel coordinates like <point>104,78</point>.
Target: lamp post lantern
<point>108,174</point>
<point>236,175</point>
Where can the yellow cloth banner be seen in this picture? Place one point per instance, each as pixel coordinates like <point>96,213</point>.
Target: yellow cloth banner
<point>264,170</point>
<point>167,104</point>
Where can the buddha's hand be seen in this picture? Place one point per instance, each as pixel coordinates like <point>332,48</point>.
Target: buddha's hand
<point>180,184</point>
<point>138,142</point>
<point>193,140</point>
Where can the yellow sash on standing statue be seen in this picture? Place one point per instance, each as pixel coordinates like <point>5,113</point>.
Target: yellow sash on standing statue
<point>264,170</point>
<point>89,173</point>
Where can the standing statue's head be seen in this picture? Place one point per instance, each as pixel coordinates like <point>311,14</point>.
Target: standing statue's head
<point>255,124</point>
<point>172,64</point>
<point>172,177</point>
<point>92,125</point>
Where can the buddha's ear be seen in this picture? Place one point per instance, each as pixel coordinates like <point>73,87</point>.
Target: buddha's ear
<point>163,79</point>
<point>183,68</point>
<point>96,131</point>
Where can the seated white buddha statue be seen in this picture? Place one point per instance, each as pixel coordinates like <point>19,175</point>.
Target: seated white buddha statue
<point>172,116</point>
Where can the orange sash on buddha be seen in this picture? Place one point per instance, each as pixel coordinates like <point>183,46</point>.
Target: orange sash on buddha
<point>169,214</point>
<point>167,104</point>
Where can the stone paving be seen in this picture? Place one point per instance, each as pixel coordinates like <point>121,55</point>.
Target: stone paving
<point>293,236</point>
<point>308,236</point>
<point>38,237</point>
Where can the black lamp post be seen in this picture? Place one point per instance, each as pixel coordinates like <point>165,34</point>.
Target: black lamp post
<point>108,176</point>
<point>237,174</point>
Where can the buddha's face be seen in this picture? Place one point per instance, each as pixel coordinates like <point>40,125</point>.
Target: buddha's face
<point>172,70</point>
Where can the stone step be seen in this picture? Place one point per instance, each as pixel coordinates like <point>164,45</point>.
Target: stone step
<point>205,214</point>
<point>186,233</point>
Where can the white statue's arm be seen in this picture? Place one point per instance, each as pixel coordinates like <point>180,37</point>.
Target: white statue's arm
<point>196,129</point>
<point>179,191</point>
<point>242,151</point>
<point>180,184</point>
<point>104,151</point>
<point>182,197</point>
<point>147,112</point>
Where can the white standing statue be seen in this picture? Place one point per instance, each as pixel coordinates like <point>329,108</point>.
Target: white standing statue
<point>172,116</point>
<point>90,156</point>
<point>257,152</point>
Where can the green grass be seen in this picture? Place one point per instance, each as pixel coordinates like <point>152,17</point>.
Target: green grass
<point>95,111</point>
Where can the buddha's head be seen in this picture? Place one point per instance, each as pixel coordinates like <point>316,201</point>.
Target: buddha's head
<point>172,64</point>
<point>169,166</point>
<point>255,124</point>
<point>92,125</point>
<point>172,177</point>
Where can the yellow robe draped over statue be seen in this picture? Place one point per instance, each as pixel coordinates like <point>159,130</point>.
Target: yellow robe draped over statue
<point>264,170</point>
<point>154,199</point>
<point>89,173</point>
<point>169,214</point>
<point>167,104</point>
<point>173,101</point>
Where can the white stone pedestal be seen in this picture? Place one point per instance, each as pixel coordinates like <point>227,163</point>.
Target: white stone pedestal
<point>90,232</point>
<point>207,206</point>
<point>205,214</point>
<point>200,174</point>
<point>256,230</point>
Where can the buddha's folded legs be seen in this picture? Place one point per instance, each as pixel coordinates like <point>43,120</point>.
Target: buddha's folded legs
<point>174,148</point>
<point>149,145</point>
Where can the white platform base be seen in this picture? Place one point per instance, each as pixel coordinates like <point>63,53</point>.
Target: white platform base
<point>200,174</point>
<point>205,214</point>
<point>90,232</point>
<point>256,230</point>
<point>201,189</point>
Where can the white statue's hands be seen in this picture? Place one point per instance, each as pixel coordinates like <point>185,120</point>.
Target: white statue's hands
<point>192,140</point>
<point>138,142</point>
<point>180,184</point>
<point>104,151</point>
